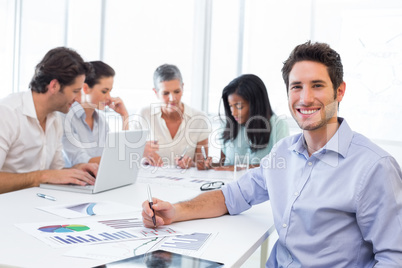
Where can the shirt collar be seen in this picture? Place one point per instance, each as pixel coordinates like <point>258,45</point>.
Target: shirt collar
<point>156,109</point>
<point>187,111</point>
<point>298,144</point>
<point>339,143</point>
<point>79,111</point>
<point>28,107</point>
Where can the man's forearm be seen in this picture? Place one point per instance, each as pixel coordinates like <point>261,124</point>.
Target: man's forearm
<point>13,181</point>
<point>206,205</point>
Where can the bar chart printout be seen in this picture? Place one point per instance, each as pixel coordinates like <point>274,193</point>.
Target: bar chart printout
<point>89,231</point>
<point>186,242</point>
<point>160,231</point>
<point>123,223</point>
<point>88,238</point>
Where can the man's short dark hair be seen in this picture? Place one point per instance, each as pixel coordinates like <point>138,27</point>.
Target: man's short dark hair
<point>61,63</point>
<point>318,52</point>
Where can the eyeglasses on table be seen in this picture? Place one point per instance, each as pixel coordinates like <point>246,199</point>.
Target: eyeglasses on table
<point>212,185</point>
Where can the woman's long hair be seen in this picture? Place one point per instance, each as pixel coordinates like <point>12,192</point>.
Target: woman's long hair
<point>252,89</point>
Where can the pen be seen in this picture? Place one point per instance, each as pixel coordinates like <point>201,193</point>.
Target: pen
<point>150,205</point>
<point>203,153</point>
<point>184,152</point>
<point>48,197</point>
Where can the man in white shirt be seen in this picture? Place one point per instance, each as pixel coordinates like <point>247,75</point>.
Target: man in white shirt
<point>30,136</point>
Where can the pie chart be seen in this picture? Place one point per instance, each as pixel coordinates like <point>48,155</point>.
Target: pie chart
<point>67,228</point>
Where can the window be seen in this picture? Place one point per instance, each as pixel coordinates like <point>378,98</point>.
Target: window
<point>7,33</point>
<point>41,30</point>
<point>224,49</point>
<point>140,36</point>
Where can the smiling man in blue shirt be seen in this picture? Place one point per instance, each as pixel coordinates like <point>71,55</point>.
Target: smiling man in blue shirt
<point>336,197</point>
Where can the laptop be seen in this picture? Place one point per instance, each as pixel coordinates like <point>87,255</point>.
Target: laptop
<point>119,164</point>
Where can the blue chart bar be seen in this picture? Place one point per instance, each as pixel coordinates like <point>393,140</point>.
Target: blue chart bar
<point>88,238</point>
<point>190,242</point>
<point>94,239</point>
<point>108,236</point>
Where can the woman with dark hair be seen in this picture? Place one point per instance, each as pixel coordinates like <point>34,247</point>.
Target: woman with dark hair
<point>85,126</point>
<point>251,127</point>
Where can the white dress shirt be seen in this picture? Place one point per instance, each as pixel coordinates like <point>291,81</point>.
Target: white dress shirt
<point>24,146</point>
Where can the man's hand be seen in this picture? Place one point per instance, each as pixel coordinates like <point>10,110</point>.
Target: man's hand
<point>91,168</point>
<point>67,176</point>
<point>164,213</point>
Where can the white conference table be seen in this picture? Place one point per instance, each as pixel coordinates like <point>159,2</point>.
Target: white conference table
<point>237,239</point>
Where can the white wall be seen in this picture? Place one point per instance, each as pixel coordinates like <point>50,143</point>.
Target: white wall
<point>136,36</point>
<point>368,36</point>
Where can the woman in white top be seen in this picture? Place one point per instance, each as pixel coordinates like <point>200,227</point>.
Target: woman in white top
<point>179,130</point>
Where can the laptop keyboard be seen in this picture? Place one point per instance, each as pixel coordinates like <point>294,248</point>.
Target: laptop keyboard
<point>88,186</point>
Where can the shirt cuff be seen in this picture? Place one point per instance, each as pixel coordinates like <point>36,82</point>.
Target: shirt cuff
<point>234,200</point>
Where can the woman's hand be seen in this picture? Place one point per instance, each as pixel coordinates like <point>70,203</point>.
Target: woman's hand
<point>185,162</point>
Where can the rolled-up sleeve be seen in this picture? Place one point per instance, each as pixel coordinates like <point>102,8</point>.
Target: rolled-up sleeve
<point>249,190</point>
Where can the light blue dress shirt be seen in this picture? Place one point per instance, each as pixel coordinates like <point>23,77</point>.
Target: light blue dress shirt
<point>241,146</point>
<point>80,142</point>
<point>341,207</point>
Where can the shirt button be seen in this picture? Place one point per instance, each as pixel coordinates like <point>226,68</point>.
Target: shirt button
<point>309,163</point>
<point>296,193</point>
<point>284,225</point>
